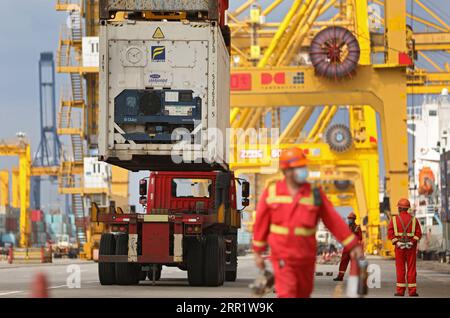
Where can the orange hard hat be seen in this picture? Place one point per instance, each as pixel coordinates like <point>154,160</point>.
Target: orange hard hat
<point>292,158</point>
<point>403,203</point>
<point>351,216</point>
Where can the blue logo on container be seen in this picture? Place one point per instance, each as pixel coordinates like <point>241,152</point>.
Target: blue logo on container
<point>158,53</point>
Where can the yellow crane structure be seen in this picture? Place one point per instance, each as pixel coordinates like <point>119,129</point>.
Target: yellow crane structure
<point>299,86</point>
<point>4,190</point>
<point>77,118</point>
<point>20,149</point>
<point>264,51</point>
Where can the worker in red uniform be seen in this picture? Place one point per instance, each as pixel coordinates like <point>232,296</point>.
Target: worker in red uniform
<point>404,231</point>
<point>287,215</point>
<point>345,259</point>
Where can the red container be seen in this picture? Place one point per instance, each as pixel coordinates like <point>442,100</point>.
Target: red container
<point>37,215</point>
<point>12,225</point>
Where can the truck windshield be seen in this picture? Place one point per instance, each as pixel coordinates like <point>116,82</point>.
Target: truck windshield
<point>191,188</point>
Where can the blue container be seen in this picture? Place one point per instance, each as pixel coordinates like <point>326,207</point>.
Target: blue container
<point>57,218</point>
<point>9,238</point>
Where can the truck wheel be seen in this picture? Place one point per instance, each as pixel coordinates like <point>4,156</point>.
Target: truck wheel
<point>222,260</point>
<point>195,263</point>
<point>230,276</point>
<point>126,273</point>
<point>106,271</point>
<point>142,275</point>
<point>213,267</point>
<point>157,272</point>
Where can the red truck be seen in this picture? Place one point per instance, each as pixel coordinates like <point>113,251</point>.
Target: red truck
<point>190,222</point>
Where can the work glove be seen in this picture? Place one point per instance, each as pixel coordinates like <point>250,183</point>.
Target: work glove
<point>400,245</point>
<point>408,245</point>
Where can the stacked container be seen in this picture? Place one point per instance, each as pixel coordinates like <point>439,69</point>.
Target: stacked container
<point>38,228</point>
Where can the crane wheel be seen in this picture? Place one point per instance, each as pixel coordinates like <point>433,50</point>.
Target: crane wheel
<point>195,255</point>
<point>335,53</point>
<point>339,138</point>
<point>107,271</point>
<point>126,273</point>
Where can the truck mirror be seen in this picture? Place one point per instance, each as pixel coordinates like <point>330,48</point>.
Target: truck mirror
<point>245,189</point>
<point>245,202</point>
<point>143,187</point>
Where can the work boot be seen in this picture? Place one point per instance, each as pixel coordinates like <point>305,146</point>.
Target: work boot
<point>414,295</point>
<point>399,295</point>
<point>338,279</point>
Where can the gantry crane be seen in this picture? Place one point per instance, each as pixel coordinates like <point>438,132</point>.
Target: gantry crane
<point>250,37</point>
<point>21,148</point>
<point>299,85</point>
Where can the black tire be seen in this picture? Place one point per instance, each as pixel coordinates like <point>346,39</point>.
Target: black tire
<point>222,260</point>
<point>212,263</point>
<point>126,273</point>
<point>195,263</point>
<point>230,276</point>
<point>157,274</point>
<point>142,275</point>
<point>107,271</point>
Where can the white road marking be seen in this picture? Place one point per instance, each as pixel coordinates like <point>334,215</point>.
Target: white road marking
<point>60,286</point>
<point>11,293</point>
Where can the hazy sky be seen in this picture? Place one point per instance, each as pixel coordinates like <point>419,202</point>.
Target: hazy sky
<point>28,28</point>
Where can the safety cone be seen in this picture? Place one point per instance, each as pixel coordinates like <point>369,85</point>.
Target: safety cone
<point>39,286</point>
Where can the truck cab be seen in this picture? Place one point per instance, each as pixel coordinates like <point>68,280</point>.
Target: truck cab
<point>189,220</point>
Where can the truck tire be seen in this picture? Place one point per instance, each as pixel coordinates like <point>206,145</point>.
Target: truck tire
<point>107,271</point>
<point>126,273</point>
<point>230,276</point>
<point>213,267</point>
<point>222,260</point>
<point>195,263</point>
<point>142,275</point>
<point>157,274</point>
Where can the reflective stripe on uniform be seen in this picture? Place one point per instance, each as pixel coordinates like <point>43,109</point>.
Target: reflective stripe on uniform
<point>401,285</point>
<point>259,243</point>
<point>298,231</point>
<point>307,200</point>
<point>394,240</point>
<point>410,234</point>
<point>411,285</point>
<point>394,221</point>
<point>274,198</point>
<point>416,238</point>
<point>304,231</point>
<point>348,240</point>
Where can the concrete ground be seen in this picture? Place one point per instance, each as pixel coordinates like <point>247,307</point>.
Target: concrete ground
<point>16,279</point>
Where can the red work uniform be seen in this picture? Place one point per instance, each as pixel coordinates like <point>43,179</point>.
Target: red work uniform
<point>405,228</point>
<point>345,259</point>
<point>288,225</point>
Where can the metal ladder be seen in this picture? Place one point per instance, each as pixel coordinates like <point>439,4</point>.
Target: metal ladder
<point>78,211</point>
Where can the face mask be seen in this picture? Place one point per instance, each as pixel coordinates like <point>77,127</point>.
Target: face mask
<point>300,174</point>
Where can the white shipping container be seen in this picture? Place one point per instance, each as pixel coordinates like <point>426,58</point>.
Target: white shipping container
<point>156,77</point>
<point>97,174</point>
